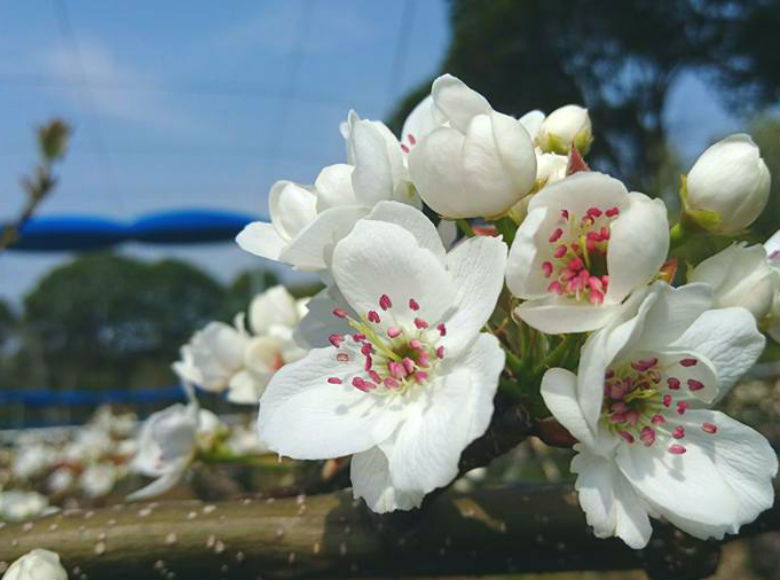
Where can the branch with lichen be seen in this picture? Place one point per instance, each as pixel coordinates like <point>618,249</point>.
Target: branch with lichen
<point>330,535</point>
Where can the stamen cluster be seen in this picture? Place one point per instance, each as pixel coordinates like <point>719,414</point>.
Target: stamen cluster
<point>395,356</point>
<point>642,401</point>
<point>578,267</point>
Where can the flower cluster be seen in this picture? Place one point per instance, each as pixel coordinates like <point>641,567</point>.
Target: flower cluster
<point>565,289</point>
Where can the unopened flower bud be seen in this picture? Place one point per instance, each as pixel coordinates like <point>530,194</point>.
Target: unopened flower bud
<point>728,186</point>
<point>37,565</point>
<point>566,127</point>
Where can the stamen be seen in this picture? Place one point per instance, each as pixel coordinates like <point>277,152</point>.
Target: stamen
<point>667,400</point>
<point>336,339</point>
<point>678,432</point>
<point>366,349</point>
<point>547,268</point>
<point>404,148</point>
<point>442,329</point>
<point>677,449</point>
<point>413,304</point>
<point>374,376</point>
<point>342,357</point>
<point>408,365</point>
<point>393,332</point>
<point>626,435</point>
<point>411,138</point>
<point>695,385</point>
<point>339,313</point>
<point>420,323</point>
<point>385,302</point>
<point>555,236</point>
<point>688,362</point>
<point>440,352</point>
<point>560,252</point>
<point>709,428</point>
<point>373,316</point>
<point>681,407</point>
<point>612,212</point>
<point>647,436</point>
<point>420,376</point>
<point>673,383</point>
<point>658,419</point>
<point>334,380</point>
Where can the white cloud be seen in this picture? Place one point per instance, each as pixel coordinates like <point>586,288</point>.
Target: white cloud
<point>116,89</point>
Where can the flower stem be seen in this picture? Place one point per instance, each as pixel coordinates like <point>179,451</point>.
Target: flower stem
<point>464,227</point>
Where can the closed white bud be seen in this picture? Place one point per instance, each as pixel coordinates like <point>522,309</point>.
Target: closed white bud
<point>37,565</point>
<point>478,165</point>
<point>740,276</point>
<point>565,127</point>
<point>728,186</point>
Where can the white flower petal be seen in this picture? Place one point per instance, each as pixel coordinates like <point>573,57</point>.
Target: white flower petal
<point>524,263</point>
<point>420,122</point>
<point>334,186</point>
<point>720,483</point>
<point>554,316</point>
<point>165,482</point>
<point>579,192</point>
<point>532,120</point>
<point>610,504</point>
<point>274,306</point>
<point>372,178</point>
<point>638,246</point>
<point>261,239</point>
<point>293,207</point>
<point>312,249</point>
<point>436,171</point>
<point>455,410</point>
<point>458,102</point>
<point>413,221</point>
<point>305,417</point>
<point>381,258</point>
<point>319,323</point>
<point>728,337</point>
<point>370,475</point>
<point>559,391</point>
<point>477,269</point>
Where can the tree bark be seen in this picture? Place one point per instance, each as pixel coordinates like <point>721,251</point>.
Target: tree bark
<point>490,531</point>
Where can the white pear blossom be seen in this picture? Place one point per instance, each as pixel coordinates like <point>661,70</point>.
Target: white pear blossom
<point>37,565</point>
<point>32,461</point>
<point>649,446</point>
<point>167,443</point>
<point>18,505</point>
<point>223,357</point>
<point>584,246</point>
<point>728,186</point>
<point>566,127</point>
<point>61,480</point>
<point>479,164</point>
<point>306,221</point>
<point>98,479</point>
<point>740,276</point>
<point>408,379</point>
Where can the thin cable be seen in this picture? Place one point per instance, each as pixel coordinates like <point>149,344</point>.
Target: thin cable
<point>69,35</point>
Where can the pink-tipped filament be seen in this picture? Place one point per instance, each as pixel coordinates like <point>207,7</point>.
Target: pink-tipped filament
<point>394,356</point>
<point>644,402</point>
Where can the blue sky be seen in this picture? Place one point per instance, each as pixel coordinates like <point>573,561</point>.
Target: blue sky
<point>206,104</point>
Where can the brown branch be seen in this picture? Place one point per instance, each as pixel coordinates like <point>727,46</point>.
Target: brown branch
<point>328,536</point>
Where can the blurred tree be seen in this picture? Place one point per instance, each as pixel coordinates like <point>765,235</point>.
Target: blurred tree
<point>619,58</point>
<point>99,317</point>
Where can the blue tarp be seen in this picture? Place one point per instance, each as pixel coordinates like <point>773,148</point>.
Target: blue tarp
<point>79,233</point>
<point>51,398</point>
